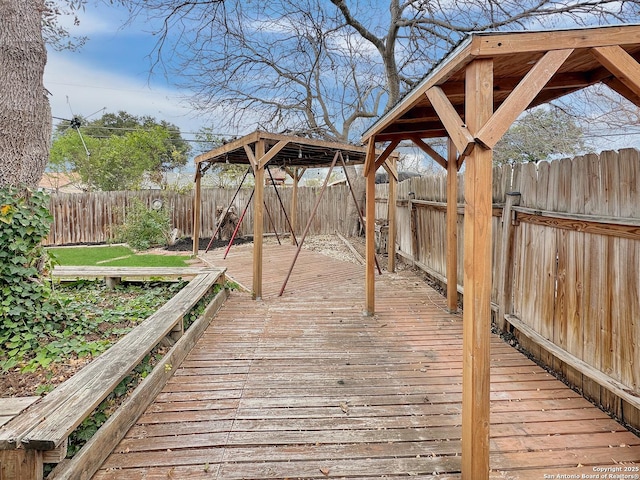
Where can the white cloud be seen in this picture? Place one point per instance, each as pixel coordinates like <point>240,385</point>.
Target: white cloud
<point>94,19</point>
<point>89,89</point>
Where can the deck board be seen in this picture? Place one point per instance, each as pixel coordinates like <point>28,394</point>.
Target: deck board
<point>305,386</point>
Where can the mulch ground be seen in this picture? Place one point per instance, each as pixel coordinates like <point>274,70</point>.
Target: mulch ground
<point>186,244</point>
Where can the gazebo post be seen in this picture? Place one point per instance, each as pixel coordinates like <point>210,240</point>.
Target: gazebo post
<point>370,213</point>
<point>477,278</point>
<point>452,227</point>
<point>294,206</point>
<point>391,215</point>
<point>196,211</point>
<point>258,227</point>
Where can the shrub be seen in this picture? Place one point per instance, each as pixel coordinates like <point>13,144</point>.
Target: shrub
<point>144,227</point>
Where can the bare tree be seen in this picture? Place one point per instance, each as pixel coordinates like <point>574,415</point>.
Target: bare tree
<point>25,115</point>
<point>324,68</point>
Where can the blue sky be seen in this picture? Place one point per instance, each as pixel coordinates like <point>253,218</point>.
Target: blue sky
<point>112,70</point>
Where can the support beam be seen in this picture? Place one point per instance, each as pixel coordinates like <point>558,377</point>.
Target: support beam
<point>621,64</point>
<point>391,214</point>
<point>521,97</point>
<point>273,151</point>
<point>386,153</point>
<point>370,241</point>
<point>391,167</point>
<point>477,278</point>
<point>439,159</point>
<point>296,173</point>
<point>197,196</point>
<point>21,464</point>
<point>452,227</point>
<point>370,159</point>
<point>258,227</point>
<point>456,128</point>
<point>294,205</point>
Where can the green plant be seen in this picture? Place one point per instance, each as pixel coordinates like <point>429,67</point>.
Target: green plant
<point>198,309</point>
<point>105,409</point>
<point>94,255</point>
<point>144,227</point>
<point>26,311</point>
<point>113,255</point>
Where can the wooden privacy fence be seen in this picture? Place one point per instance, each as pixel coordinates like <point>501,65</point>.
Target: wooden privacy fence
<point>94,217</point>
<point>566,263</point>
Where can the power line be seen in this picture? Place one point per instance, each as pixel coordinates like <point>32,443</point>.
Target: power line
<point>134,129</point>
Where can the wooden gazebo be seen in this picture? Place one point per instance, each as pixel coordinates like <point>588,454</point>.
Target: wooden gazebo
<point>472,97</point>
<point>294,155</point>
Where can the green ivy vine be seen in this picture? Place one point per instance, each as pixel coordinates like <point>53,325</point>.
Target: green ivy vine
<point>26,312</point>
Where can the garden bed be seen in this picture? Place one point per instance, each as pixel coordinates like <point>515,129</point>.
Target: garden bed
<point>97,318</point>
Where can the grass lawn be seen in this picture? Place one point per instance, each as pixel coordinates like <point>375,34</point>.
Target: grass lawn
<point>113,256</point>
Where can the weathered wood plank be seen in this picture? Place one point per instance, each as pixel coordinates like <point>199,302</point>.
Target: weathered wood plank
<point>12,406</point>
<point>87,461</point>
<point>302,381</point>
<point>46,424</point>
<point>128,272</point>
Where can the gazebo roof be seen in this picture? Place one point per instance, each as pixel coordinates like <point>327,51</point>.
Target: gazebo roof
<point>593,55</point>
<point>287,151</point>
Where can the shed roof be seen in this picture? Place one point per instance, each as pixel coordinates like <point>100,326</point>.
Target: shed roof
<point>288,151</point>
<point>593,56</point>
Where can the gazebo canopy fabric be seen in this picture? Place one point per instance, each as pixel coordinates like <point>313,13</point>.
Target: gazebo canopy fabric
<point>286,151</point>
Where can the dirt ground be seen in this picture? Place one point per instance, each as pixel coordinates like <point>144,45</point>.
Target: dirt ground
<point>330,245</point>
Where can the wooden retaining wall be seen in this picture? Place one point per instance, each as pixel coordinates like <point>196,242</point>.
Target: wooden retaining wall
<point>571,268</point>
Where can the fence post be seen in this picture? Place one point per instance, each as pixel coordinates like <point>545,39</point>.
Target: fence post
<point>413,225</point>
<point>392,198</point>
<point>505,268</point>
<point>21,464</point>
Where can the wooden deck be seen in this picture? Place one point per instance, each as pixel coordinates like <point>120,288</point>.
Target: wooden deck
<point>305,386</point>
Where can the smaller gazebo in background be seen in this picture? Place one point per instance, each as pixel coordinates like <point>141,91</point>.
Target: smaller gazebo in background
<point>294,155</point>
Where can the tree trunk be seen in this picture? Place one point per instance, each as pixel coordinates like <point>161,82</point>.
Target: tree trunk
<point>25,115</point>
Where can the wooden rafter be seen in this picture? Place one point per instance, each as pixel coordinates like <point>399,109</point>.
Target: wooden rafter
<point>385,154</point>
<point>522,95</point>
<point>426,148</point>
<point>621,64</point>
<point>495,44</point>
<point>455,126</point>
